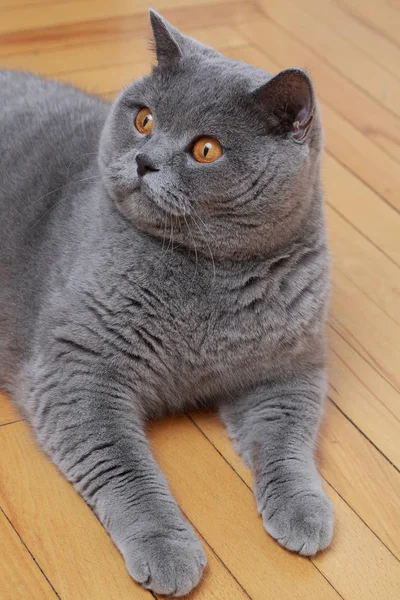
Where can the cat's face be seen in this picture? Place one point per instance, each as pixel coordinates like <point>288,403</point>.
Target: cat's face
<point>211,152</point>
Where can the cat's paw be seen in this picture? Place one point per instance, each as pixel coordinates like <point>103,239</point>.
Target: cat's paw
<point>303,524</point>
<point>171,565</point>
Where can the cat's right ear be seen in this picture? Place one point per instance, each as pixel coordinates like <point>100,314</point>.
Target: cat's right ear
<point>288,103</point>
<point>167,40</point>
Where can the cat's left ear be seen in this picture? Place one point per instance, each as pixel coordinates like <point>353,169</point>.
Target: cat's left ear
<point>288,100</point>
<point>168,41</point>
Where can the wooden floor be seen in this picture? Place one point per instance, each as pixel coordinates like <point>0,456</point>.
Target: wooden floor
<point>51,545</point>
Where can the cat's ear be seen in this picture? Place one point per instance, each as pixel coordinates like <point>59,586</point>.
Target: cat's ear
<point>289,102</point>
<point>167,40</point>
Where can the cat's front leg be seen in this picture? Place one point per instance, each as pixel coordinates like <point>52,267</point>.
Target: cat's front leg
<point>89,423</point>
<point>274,428</point>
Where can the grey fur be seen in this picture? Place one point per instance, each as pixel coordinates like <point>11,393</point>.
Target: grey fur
<point>125,297</point>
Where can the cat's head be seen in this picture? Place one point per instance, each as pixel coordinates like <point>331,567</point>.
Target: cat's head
<point>219,155</point>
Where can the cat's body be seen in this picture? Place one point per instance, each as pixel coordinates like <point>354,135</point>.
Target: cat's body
<point>111,315</point>
<point>221,324</point>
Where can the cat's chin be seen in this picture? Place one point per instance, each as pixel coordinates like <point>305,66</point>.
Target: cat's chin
<point>144,212</point>
<point>161,202</point>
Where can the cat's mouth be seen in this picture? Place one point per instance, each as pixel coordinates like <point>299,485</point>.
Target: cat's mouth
<point>165,200</point>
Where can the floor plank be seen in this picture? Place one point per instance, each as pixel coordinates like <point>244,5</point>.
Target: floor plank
<point>201,14</point>
<point>381,16</point>
<point>352,103</point>
<point>362,477</point>
<point>365,372</point>
<point>367,328</point>
<point>370,270</point>
<point>364,397</point>
<point>8,414</point>
<point>366,211</point>
<point>354,574</point>
<point>360,154</point>
<point>352,62</point>
<point>65,537</point>
<point>20,576</point>
<point>106,53</point>
<point>355,31</point>
<point>30,16</point>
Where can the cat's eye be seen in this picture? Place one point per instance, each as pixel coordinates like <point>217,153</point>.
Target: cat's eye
<point>144,121</point>
<point>206,150</point>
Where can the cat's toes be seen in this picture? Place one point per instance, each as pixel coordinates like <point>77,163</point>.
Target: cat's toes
<point>171,566</point>
<point>303,524</point>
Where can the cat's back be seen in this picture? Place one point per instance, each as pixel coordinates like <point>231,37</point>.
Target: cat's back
<point>49,135</point>
<point>44,126</point>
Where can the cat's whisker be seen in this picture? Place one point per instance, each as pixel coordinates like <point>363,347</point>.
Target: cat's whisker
<point>58,201</point>
<point>195,247</point>
<point>205,239</point>
<point>77,158</point>
<point>165,233</point>
<point>47,212</point>
<point>171,234</point>
<point>64,186</point>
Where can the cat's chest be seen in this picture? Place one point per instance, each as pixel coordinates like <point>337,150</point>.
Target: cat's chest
<point>210,342</point>
<point>186,337</point>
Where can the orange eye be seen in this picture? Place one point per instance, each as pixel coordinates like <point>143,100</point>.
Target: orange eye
<point>144,121</point>
<point>207,150</point>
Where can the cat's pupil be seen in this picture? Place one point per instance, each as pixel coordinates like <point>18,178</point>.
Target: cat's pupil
<point>207,148</point>
<point>146,120</point>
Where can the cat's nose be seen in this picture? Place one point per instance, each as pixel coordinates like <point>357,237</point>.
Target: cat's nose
<point>144,164</point>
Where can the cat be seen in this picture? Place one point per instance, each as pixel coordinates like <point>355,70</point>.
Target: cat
<point>161,253</point>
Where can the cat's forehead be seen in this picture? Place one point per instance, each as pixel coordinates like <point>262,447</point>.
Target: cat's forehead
<point>216,89</point>
<point>217,74</point>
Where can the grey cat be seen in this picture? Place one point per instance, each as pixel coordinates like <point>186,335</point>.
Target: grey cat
<point>161,253</point>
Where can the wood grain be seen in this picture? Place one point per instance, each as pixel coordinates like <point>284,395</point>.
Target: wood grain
<point>339,53</point>
<point>354,573</point>
<point>357,31</point>
<point>20,577</point>
<point>46,14</point>
<point>8,413</point>
<point>201,14</point>
<point>337,91</point>
<point>68,542</point>
<point>106,53</point>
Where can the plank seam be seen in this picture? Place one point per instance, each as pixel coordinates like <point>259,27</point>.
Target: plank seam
<point>113,37</point>
<point>11,422</point>
<point>31,555</point>
<point>361,519</point>
<point>351,42</point>
<point>324,478</point>
<point>369,25</point>
<point>132,16</point>
<point>331,106</point>
<point>332,66</point>
<point>370,360</point>
<point>215,553</point>
<point>356,376</point>
<point>248,487</point>
<point>363,434</point>
<point>368,185</point>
